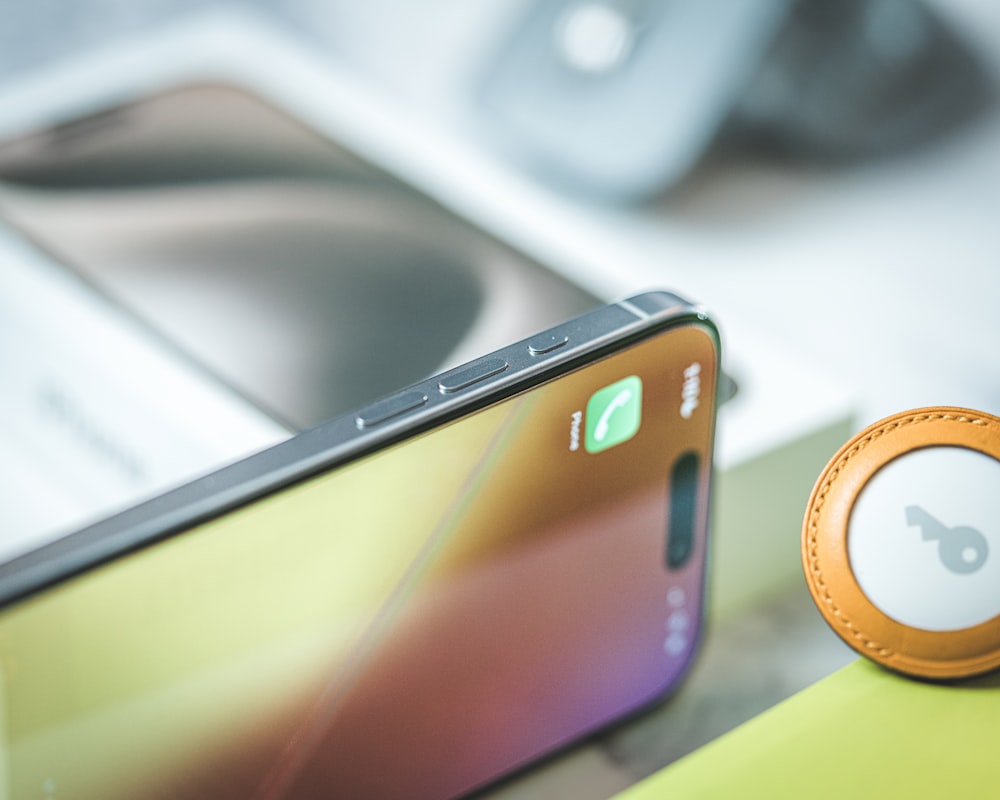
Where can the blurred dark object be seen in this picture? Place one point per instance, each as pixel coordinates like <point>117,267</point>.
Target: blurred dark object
<point>857,78</point>
<point>621,99</point>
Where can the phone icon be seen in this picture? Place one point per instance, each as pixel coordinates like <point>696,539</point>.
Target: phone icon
<point>613,414</point>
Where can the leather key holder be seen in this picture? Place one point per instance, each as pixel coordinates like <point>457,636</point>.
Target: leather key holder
<point>901,543</point>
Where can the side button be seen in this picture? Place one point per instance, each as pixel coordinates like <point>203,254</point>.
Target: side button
<point>383,410</point>
<point>546,343</point>
<point>467,376</point>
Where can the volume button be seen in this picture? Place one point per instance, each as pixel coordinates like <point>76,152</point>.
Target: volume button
<point>467,376</point>
<point>383,410</point>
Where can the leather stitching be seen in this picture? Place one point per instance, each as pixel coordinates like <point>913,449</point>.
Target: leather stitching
<point>817,508</point>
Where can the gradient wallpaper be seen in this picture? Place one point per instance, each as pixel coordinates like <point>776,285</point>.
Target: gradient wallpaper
<point>412,625</point>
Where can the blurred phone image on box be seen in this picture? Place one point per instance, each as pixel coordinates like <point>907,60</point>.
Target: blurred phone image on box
<point>231,251</point>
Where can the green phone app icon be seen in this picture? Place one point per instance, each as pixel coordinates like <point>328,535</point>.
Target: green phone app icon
<point>613,414</point>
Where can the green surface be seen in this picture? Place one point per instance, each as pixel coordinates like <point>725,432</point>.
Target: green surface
<point>862,732</point>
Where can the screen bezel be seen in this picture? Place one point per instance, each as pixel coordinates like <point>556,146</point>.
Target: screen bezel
<point>340,441</point>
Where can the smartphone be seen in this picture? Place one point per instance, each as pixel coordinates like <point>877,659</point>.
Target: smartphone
<point>413,600</point>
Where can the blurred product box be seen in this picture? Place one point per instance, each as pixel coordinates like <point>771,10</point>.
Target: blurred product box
<point>776,434</point>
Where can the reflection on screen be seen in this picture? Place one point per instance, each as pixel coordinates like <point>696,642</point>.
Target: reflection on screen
<point>411,625</point>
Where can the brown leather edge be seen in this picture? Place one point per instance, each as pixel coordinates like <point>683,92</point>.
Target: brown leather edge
<point>931,654</point>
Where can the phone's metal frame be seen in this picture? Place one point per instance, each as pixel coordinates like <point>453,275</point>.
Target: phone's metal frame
<point>345,438</point>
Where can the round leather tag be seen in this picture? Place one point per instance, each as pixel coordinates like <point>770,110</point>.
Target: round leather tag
<point>901,543</point>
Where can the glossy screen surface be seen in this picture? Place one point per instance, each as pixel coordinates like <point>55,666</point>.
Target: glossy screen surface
<point>411,625</point>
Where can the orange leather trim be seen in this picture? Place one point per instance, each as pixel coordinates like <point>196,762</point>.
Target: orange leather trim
<point>930,654</point>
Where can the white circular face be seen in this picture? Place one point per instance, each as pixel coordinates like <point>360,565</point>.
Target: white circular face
<point>924,538</point>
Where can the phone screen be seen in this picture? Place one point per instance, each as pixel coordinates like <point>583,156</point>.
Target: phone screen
<point>413,624</point>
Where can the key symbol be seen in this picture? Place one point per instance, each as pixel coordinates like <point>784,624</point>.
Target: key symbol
<point>962,550</point>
